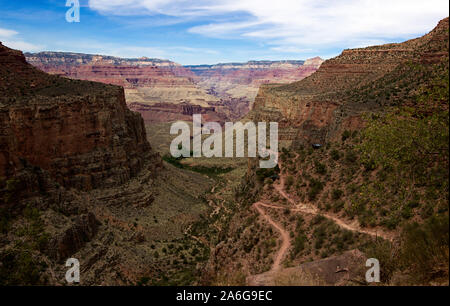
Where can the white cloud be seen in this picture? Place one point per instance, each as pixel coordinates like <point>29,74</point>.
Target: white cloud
<point>22,46</point>
<point>295,23</point>
<point>7,33</point>
<point>9,39</point>
<point>288,49</point>
<point>129,51</point>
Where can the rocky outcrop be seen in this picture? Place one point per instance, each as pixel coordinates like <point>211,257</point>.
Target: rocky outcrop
<point>82,230</point>
<point>47,60</point>
<point>316,108</point>
<point>166,112</point>
<point>346,269</point>
<point>81,133</point>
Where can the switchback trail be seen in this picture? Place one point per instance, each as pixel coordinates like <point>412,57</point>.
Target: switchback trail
<point>302,208</point>
<point>286,241</point>
<point>310,209</point>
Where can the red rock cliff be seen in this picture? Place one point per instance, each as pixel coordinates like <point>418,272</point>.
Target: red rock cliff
<point>359,80</point>
<point>81,132</point>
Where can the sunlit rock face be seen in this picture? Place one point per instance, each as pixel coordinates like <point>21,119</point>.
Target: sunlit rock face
<point>317,108</point>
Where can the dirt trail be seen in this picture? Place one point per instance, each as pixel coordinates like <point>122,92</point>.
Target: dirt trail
<point>309,209</point>
<point>286,241</point>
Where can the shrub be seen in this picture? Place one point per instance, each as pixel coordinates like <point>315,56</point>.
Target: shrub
<point>299,243</point>
<point>351,156</point>
<point>382,250</point>
<point>320,168</point>
<point>406,212</point>
<point>391,222</point>
<point>19,268</point>
<point>317,219</point>
<point>336,194</point>
<point>338,206</point>
<point>315,187</point>
<point>335,154</point>
<point>263,173</point>
<point>345,135</point>
<point>5,218</point>
<point>289,181</point>
<point>299,224</point>
<point>425,248</point>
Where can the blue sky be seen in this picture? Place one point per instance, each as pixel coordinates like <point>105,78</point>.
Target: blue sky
<point>207,32</point>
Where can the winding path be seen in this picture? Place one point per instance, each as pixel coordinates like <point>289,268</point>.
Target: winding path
<point>309,209</point>
<point>286,241</point>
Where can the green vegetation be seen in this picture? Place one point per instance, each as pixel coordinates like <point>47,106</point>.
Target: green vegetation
<point>393,174</point>
<point>21,264</point>
<point>421,257</point>
<point>315,187</point>
<point>263,173</point>
<point>208,170</point>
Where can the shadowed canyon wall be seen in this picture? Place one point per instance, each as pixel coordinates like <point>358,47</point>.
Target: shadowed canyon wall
<point>81,132</point>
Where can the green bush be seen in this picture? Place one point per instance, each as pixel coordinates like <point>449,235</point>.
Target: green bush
<point>299,243</point>
<point>351,156</point>
<point>263,173</point>
<point>289,181</point>
<point>336,194</point>
<point>5,218</point>
<point>384,252</point>
<point>320,168</point>
<point>315,187</point>
<point>424,248</point>
<point>345,135</point>
<point>19,268</point>
<point>335,155</point>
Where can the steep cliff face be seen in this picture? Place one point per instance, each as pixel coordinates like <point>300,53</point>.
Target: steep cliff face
<point>81,132</point>
<point>316,108</point>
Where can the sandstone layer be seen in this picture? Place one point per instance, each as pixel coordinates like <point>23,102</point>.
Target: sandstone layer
<point>242,80</point>
<point>157,84</point>
<point>82,133</point>
<point>333,98</point>
<point>153,86</point>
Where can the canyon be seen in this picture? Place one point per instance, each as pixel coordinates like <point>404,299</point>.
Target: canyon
<point>242,80</point>
<point>163,91</point>
<point>83,175</point>
<point>159,89</point>
<point>78,178</point>
<point>352,205</point>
